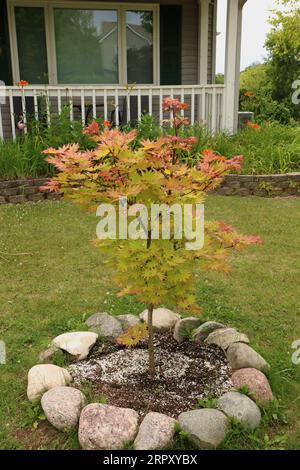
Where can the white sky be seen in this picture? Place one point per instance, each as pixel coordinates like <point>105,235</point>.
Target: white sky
<point>255,29</point>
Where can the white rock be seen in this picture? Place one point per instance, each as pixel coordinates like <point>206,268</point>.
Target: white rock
<point>77,344</point>
<point>224,337</point>
<point>62,406</point>
<point>43,377</point>
<point>163,319</point>
<point>239,406</point>
<point>104,427</point>
<point>205,428</point>
<point>156,432</point>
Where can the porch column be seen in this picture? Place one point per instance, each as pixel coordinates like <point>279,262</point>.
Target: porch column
<point>203,41</point>
<point>232,64</point>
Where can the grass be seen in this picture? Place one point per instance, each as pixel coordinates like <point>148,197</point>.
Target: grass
<point>51,279</point>
<point>274,148</point>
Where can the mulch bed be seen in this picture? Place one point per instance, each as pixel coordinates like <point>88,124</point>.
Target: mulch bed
<point>185,374</point>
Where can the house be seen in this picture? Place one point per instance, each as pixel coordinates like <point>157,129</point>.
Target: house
<point>116,60</point>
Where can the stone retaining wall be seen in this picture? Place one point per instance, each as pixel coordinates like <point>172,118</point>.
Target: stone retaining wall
<point>261,185</point>
<point>24,190</point>
<point>27,190</point>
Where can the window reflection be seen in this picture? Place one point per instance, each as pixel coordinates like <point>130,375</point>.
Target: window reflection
<point>139,35</point>
<point>32,51</point>
<point>86,46</point>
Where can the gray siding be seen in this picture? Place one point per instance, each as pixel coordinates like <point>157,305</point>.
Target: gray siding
<point>211,43</point>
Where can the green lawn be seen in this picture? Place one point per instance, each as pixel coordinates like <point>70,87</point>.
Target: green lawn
<point>57,279</point>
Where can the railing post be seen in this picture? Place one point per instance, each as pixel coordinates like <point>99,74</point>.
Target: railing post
<point>59,101</point>
<point>232,64</point>
<point>161,115</point>
<point>214,112</point>
<point>139,105</point>
<point>82,96</point>
<point>1,124</point>
<point>94,103</point>
<point>105,104</point>
<point>12,114</point>
<point>24,112</point>
<point>150,101</point>
<point>117,108</point>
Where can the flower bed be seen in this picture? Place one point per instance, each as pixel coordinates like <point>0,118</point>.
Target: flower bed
<point>144,411</point>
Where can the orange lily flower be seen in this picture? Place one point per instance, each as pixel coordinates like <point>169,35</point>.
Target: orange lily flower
<point>23,83</point>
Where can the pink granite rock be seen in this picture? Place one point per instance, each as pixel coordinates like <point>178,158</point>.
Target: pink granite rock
<point>256,382</point>
<point>104,427</point>
<point>156,432</point>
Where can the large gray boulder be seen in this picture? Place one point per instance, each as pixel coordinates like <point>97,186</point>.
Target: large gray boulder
<point>106,326</point>
<point>62,406</point>
<point>128,320</point>
<point>78,343</point>
<point>206,428</point>
<point>240,407</point>
<point>224,337</point>
<point>202,332</point>
<point>104,427</point>
<point>163,319</point>
<point>184,328</point>
<point>241,356</point>
<point>156,432</point>
<point>43,377</point>
<point>256,382</point>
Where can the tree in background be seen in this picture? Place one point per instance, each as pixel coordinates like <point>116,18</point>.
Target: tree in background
<point>266,89</point>
<point>283,45</point>
<point>256,95</point>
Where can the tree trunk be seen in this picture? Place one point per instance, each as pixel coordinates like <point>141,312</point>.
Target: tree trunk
<point>150,342</point>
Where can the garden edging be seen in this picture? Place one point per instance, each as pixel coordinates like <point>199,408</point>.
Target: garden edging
<point>283,185</point>
<point>24,190</point>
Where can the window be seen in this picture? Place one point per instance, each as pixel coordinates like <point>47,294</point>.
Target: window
<point>74,44</point>
<point>139,41</point>
<point>31,37</point>
<point>86,43</point>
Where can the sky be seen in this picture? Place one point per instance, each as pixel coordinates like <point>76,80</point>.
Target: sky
<point>255,29</point>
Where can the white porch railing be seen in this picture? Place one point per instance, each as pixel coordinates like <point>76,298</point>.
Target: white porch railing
<point>118,104</point>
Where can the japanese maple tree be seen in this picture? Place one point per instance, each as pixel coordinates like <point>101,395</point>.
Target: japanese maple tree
<point>157,271</point>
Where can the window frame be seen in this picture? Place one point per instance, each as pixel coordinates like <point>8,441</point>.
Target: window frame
<point>49,5</point>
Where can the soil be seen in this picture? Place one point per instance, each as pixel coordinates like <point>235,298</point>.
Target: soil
<point>185,374</point>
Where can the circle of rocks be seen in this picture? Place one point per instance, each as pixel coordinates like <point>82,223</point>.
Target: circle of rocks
<point>107,427</point>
